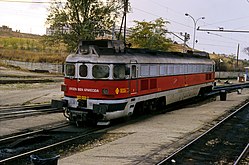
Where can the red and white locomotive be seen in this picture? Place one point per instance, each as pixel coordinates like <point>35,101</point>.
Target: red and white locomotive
<point>104,80</point>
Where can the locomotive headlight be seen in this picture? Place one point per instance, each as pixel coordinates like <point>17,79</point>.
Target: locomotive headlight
<point>63,87</point>
<point>105,91</point>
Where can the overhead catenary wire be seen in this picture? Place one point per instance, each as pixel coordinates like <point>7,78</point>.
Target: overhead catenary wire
<point>162,17</point>
<point>147,12</point>
<point>25,1</point>
<point>166,7</point>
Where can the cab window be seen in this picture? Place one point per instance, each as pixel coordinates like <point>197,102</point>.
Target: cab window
<point>83,70</point>
<point>70,70</point>
<point>133,71</point>
<point>101,71</point>
<point>119,71</point>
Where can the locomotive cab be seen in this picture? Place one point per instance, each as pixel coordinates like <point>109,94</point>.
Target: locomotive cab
<point>92,85</point>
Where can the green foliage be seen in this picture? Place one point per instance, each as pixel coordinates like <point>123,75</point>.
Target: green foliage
<point>151,35</point>
<point>78,20</point>
<point>246,50</point>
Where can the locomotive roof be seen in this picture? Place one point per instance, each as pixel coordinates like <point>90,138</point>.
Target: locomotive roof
<point>109,51</point>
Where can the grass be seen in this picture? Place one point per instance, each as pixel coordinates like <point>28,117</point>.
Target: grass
<point>31,48</point>
<point>32,56</point>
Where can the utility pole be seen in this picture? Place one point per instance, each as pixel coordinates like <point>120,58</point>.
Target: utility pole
<point>186,38</point>
<point>237,63</point>
<point>124,21</point>
<point>195,23</point>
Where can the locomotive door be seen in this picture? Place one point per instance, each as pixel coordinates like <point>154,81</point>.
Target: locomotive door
<point>133,80</point>
<point>81,73</point>
<point>78,80</point>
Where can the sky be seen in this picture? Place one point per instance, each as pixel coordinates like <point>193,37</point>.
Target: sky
<point>226,14</point>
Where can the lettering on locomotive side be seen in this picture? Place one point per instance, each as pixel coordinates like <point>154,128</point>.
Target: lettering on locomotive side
<point>93,90</point>
<point>72,89</point>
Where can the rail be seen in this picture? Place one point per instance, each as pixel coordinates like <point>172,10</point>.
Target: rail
<point>242,155</point>
<point>19,112</point>
<point>55,143</point>
<point>180,152</point>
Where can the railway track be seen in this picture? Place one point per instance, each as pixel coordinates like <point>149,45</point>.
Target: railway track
<point>47,139</point>
<point>8,113</point>
<point>224,143</point>
<point>244,157</point>
<point>41,142</point>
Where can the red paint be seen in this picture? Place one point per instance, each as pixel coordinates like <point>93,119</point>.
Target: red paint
<point>129,88</point>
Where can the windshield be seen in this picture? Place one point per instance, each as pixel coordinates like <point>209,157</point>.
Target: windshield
<point>119,71</point>
<point>83,71</point>
<point>101,71</point>
<point>70,70</point>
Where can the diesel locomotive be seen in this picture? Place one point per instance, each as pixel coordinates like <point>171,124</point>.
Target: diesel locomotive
<point>105,80</point>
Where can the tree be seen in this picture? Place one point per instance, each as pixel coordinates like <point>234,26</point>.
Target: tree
<point>151,35</point>
<point>78,20</point>
<point>246,50</point>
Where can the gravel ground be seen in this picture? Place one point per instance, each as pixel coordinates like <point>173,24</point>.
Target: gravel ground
<point>33,93</point>
<point>18,94</point>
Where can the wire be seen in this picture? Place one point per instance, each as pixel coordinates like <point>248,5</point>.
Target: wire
<point>25,1</point>
<point>20,1</point>
<point>216,45</point>
<point>205,25</point>
<point>162,17</point>
<point>163,6</point>
<point>229,20</point>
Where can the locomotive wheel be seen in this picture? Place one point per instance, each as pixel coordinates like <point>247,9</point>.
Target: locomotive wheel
<point>139,109</point>
<point>161,104</point>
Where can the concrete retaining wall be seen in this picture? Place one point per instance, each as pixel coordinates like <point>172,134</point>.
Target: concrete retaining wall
<point>228,75</point>
<point>52,68</point>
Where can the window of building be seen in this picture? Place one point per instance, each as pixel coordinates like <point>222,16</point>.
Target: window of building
<point>101,71</point>
<point>70,70</point>
<point>83,70</point>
